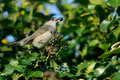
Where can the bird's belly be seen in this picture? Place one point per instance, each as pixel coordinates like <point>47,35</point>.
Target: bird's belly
<point>41,40</point>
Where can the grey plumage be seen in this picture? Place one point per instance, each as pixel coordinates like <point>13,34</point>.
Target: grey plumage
<point>40,37</point>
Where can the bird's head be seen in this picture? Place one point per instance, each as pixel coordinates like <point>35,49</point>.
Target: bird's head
<point>53,21</point>
<point>56,19</point>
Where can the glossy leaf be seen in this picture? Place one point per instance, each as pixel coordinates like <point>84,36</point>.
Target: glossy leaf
<point>116,32</point>
<point>116,76</point>
<point>114,3</point>
<point>107,54</point>
<point>8,70</point>
<point>97,2</point>
<point>31,73</point>
<point>104,25</point>
<point>80,67</point>
<point>99,71</point>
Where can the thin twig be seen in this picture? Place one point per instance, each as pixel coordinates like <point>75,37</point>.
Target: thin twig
<point>113,46</point>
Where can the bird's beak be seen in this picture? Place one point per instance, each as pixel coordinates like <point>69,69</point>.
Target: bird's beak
<point>58,19</point>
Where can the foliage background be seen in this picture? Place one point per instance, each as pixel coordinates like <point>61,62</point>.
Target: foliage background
<point>90,28</point>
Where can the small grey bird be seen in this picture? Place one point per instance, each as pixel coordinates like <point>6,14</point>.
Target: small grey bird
<point>40,37</point>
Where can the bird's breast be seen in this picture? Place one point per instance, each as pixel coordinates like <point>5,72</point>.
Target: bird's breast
<point>42,39</point>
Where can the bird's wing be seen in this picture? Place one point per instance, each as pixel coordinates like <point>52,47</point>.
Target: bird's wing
<point>40,31</point>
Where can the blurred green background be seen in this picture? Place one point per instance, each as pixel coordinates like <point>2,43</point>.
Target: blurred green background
<point>90,28</point>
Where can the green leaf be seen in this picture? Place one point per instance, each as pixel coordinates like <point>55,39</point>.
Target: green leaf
<point>14,62</point>
<point>97,2</point>
<point>24,62</point>
<point>107,54</point>
<point>93,42</point>
<point>2,78</point>
<point>91,67</point>
<point>91,8</point>
<point>13,65</point>
<point>8,70</point>
<point>62,68</point>
<point>16,65</point>
<point>31,73</point>
<point>116,32</point>
<point>99,71</point>
<point>65,74</point>
<point>116,76</point>
<point>16,76</point>
<point>104,25</point>
<point>114,3</point>
<point>80,67</point>
<point>104,46</point>
<point>27,60</point>
<point>84,51</point>
<point>80,30</point>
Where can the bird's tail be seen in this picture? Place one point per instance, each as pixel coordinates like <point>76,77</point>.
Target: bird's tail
<point>21,42</point>
<point>13,44</point>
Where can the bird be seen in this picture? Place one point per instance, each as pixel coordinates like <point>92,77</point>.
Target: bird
<point>41,36</point>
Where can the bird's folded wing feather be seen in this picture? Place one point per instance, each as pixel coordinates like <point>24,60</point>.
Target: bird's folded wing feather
<point>40,31</point>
